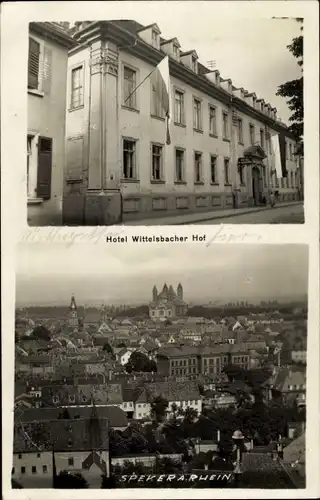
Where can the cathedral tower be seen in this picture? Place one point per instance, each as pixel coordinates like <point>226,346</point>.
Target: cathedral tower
<point>73,314</point>
<point>180,292</point>
<point>154,293</point>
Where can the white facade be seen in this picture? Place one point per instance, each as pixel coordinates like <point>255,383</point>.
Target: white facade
<point>212,125</point>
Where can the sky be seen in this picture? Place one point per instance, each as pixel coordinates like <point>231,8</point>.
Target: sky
<point>252,51</point>
<point>48,274</point>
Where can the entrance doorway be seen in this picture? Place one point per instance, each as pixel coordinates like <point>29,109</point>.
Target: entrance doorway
<point>256,186</point>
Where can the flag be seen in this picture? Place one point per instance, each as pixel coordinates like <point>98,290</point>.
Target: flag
<point>279,150</point>
<point>160,79</point>
<point>276,152</point>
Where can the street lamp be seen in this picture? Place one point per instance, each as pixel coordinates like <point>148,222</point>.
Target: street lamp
<point>238,438</point>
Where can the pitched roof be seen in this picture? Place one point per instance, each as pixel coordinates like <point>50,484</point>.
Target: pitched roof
<point>115,416</point>
<point>65,435</point>
<point>84,394</point>
<point>173,391</point>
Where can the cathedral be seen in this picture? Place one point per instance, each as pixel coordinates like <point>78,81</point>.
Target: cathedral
<point>167,304</point>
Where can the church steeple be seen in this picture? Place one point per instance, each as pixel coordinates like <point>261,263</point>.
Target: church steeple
<point>154,293</point>
<point>180,292</point>
<point>73,314</point>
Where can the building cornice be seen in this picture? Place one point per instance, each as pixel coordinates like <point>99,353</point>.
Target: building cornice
<point>50,31</point>
<point>134,45</point>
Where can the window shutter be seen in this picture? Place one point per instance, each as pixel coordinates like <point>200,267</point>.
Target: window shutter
<point>44,168</point>
<point>33,64</point>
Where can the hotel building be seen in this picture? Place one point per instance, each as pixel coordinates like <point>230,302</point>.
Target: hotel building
<point>118,164</point>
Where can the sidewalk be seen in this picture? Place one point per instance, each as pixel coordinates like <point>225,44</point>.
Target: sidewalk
<point>193,218</point>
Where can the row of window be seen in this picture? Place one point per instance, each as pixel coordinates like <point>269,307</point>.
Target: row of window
<point>130,101</point>
<point>183,371</point>
<point>33,469</point>
<point>44,467</point>
<point>157,164</point>
<point>183,362</point>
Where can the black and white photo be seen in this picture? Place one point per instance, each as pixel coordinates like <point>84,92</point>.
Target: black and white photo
<point>143,368</point>
<point>138,121</point>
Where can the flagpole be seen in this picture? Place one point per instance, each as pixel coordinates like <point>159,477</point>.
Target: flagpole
<point>139,85</point>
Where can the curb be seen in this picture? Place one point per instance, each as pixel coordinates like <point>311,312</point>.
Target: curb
<point>262,209</point>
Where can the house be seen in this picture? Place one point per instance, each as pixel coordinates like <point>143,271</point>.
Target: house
<point>47,77</point>
<point>220,135</point>
<point>289,383</point>
<point>182,394</point>
<point>80,445</point>
<point>299,356</point>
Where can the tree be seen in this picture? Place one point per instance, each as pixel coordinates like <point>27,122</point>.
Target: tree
<point>139,362</point>
<point>107,347</point>
<point>293,92</point>
<point>159,408</point>
<point>68,480</point>
<point>41,332</point>
<point>108,482</point>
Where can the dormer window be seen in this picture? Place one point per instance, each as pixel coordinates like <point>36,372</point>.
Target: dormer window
<point>155,38</point>
<point>175,51</point>
<point>194,64</point>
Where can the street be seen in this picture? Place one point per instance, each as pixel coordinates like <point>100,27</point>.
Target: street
<point>277,215</point>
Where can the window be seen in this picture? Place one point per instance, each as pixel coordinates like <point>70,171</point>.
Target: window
<point>156,162</point>
<point>70,461</point>
<point>34,469</point>
<point>175,49</point>
<point>44,469</point>
<point>262,138</point>
<point>38,455</point>
<point>129,82</point>
<point>268,145</point>
<point>225,125</point>
<point>76,87</point>
<point>12,471</point>
<point>240,131</point>
<point>179,165</point>
<point>33,64</point>
<point>154,39</point>
<point>23,470</point>
<point>20,456</point>
<point>179,107</point>
<point>197,114</point>
<point>213,169</point>
<point>251,132</point>
<point>226,171</point>
<point>212,120</point>
<point>194,64</point>
<point>129,159</point>
<point>290,152</point>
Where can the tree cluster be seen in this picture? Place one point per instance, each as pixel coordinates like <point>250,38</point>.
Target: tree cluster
<point>293,92</point>
<point>139,362</point>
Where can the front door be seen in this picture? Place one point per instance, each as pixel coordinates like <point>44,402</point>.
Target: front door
<point>256,194</point>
